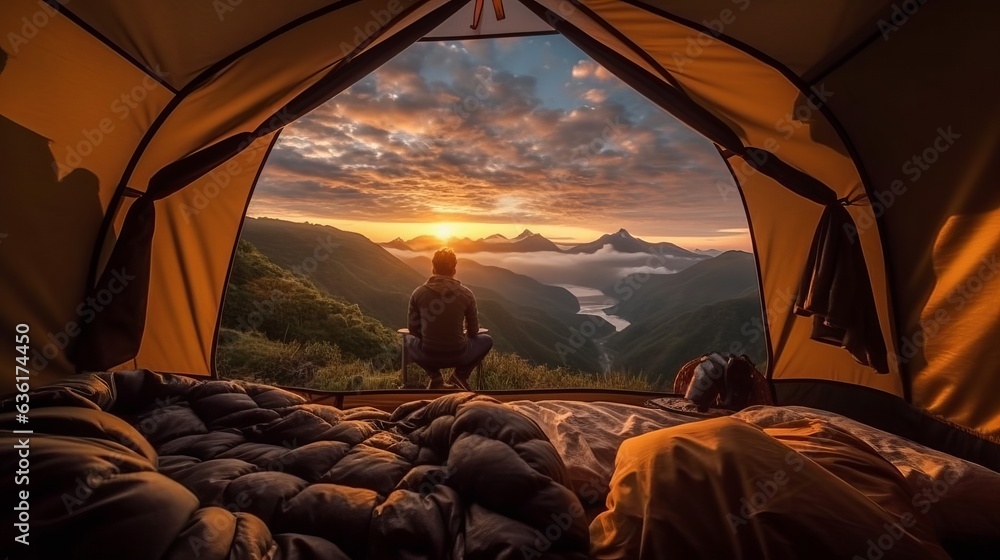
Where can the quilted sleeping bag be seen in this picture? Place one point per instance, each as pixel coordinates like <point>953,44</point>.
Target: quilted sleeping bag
<point>143,465</point>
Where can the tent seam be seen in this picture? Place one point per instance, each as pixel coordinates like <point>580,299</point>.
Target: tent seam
<point>232,257</point>
<point>61,8</point>
<point>667,75</point>
<point>769,373</point>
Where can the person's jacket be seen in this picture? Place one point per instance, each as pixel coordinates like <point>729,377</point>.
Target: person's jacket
<point>438,310</point>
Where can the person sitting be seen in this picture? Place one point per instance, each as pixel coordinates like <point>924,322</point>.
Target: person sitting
<point>437,339</point>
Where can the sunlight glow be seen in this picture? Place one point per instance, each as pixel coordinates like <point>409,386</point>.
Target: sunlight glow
<point>443,231</point>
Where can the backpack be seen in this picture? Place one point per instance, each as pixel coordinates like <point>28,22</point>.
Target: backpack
<point>715,380</point>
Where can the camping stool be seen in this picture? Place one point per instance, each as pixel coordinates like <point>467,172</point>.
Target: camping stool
<point>477,374</point>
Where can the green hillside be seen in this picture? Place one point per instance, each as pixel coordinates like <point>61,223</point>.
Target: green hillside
<point>711,306</point>
<point>729,275</point>
<point>341,263</point>
<point>658,345</point>
<point>282,306</point>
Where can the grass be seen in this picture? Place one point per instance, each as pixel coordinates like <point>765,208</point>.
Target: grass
<point>320,365</point>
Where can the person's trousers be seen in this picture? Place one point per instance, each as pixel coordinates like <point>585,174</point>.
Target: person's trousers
<point>464,361</point>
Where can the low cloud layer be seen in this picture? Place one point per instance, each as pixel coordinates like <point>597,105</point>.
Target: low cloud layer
<point>527,131</point>
<point>598,270</point>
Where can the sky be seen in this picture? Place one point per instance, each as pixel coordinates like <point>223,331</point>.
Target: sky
<point>477,137</point>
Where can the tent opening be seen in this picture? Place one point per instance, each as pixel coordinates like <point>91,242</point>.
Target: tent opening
<point>605,241</point>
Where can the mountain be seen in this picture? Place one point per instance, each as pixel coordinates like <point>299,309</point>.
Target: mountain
<point>526,242</point>
<point>397,243</point>
<point>624,242</point>
<point>423,243</point>
<point>709,252</point>
<point>518,288</point>
<point>351,267</point>
<point>658,345</point>
<point>731,274</point>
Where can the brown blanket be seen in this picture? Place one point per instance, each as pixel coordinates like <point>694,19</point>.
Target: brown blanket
<point>142,465</point>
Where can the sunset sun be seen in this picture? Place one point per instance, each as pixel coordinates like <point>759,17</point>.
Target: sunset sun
<point>443,231</point>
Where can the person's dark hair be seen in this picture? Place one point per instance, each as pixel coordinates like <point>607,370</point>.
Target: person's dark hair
<point>445,262</point>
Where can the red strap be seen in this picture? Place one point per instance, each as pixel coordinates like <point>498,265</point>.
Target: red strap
<point>478,14</point>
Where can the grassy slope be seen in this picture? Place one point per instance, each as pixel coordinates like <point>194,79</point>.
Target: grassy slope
<point>729,275</point>
<point>283,306</point>
<point>656,347</point>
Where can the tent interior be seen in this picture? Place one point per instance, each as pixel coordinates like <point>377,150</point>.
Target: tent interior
<point>860,137</point>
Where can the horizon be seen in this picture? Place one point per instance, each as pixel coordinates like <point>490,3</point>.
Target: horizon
<point>496,136</point>
<point>430,229</point>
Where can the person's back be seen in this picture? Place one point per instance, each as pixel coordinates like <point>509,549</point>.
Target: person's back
<point>443,312</point>
<point>443,321</point>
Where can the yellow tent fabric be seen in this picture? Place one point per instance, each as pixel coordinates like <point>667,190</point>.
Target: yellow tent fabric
<point>889,103</point>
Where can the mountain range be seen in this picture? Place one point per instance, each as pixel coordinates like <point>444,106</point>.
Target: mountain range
<point>527,241</point>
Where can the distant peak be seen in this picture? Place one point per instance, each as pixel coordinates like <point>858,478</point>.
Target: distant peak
<point>496,236</point>
<point>525,233</point>
<point>623,233</point>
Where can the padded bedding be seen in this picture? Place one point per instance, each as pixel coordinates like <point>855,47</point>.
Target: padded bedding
<point>142,465</point>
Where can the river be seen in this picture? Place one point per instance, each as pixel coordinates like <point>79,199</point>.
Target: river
<point>595,302</point>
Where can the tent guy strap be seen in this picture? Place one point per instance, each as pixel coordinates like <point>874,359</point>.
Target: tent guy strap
<point>478,13</point>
